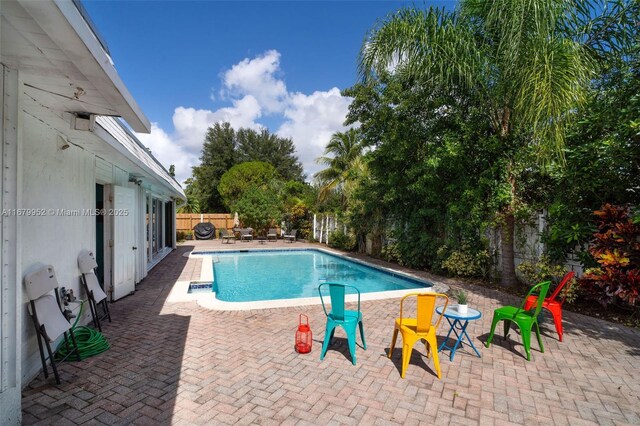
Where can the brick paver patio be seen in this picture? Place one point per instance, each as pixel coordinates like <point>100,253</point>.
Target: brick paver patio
<point>183,364</point>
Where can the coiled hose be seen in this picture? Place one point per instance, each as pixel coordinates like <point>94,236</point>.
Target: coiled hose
<point>90,341</point>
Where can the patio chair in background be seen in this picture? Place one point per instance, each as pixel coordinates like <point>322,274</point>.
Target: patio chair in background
<point>95,295</point>
<point>246,234</point>
<point>273,233</point>
<point>226,236</point>
<point>419,328</point>
<point>339,316</point>
<point>46,314</point>
<point>552,304</point>
<point>523,318</point>
<point>291,236</point>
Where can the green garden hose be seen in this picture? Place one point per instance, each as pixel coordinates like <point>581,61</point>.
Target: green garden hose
<point>90,341</point>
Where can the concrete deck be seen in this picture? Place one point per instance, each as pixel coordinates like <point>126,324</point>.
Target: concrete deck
<point>179,363</point>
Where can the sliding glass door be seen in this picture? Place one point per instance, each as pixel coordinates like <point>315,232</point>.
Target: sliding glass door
<point>159,223</point>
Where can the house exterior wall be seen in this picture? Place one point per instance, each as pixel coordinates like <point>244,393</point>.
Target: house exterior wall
<point>10,283</point>
<point>60,185</point>
<point>57,183</point>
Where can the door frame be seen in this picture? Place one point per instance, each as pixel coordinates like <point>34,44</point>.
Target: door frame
<point>107,240</point>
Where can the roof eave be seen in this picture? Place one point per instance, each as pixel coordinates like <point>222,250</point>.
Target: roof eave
<point>66,26</point>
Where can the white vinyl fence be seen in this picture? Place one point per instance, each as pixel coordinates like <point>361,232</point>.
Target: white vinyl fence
<point>323,226</point>
<point>528,245</point>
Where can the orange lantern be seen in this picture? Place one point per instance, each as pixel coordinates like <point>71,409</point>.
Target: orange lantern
<point>303,336</point>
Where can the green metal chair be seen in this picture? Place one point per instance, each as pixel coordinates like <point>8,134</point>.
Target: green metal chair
<point>339,316</point>
<point>524,319</point>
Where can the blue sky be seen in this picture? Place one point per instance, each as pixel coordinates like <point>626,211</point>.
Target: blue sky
<point>274,64</point>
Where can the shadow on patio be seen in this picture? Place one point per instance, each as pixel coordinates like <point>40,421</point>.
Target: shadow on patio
<point>182,363</point>
<point>137,379</point>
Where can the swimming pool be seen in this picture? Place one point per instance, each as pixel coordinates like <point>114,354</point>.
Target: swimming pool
<point>243,276</point>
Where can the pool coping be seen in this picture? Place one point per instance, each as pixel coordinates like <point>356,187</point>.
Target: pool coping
<point>179,292</point>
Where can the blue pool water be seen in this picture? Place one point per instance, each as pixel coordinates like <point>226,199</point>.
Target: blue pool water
<point>269,275</point>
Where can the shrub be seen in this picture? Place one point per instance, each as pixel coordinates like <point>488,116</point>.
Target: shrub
<point>465,263</point>
<point>297,217</point>
<point>390,253</point>
<point>543,269</point>
<point>417,251</point>
<point>616,248</point>
<point>180,235</point>
<point>258,209</point>
<point>537,271</point>
<point>342,241</point>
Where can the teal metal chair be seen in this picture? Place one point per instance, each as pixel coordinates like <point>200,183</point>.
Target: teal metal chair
<point>523,318</point>
<point>339,316</point>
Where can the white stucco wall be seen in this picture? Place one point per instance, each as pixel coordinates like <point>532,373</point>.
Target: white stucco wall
<point>56,180</point>
<point>53,179</point>
<point>10,287</point>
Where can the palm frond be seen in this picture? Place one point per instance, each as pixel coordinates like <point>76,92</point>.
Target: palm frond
<point>510,54</point>
<point>431,45</point>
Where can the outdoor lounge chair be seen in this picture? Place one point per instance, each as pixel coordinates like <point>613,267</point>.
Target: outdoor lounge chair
<point>246,234</point>
<point>273,233</point>
<point>291,236</point>
<point>95,295</point>
<point>226,236</point>
<point>46,313</point>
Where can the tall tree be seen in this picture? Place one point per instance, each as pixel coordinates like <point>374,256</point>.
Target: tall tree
<point>218,156</point>
<point>270,148</point>
<point>512,59</point>
<point>225,147</point>
<point>241,177</point>
<point>432,170</point>
<point>603,159</point>
<point>343,158</point>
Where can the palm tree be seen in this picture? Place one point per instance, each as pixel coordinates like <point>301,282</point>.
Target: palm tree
<point>343,158</point>
<point>511,58</point>
<point>192,205</point>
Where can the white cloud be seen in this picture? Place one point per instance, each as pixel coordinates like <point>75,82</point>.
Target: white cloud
<point>256,77</point>
<point>310,122</point>
<point>182,147</point>
<point>253,88</point>
<point>168,152</point>
<point>191,124</point>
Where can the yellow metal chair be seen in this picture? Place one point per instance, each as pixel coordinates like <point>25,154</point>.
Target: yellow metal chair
<point>419,328</point>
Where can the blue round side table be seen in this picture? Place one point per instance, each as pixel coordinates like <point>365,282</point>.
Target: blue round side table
<point>458,323</point>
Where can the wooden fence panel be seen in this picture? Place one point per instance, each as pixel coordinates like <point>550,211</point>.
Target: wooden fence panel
<point>186,221</point>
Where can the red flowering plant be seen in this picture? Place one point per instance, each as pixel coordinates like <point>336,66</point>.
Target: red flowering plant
<point>616,248</point>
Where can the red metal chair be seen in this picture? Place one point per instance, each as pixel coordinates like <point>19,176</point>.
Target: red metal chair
<point>552,304</point>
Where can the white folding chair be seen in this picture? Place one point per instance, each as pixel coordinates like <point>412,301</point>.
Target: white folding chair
<point>46,313</point>
<point>95,294</point>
